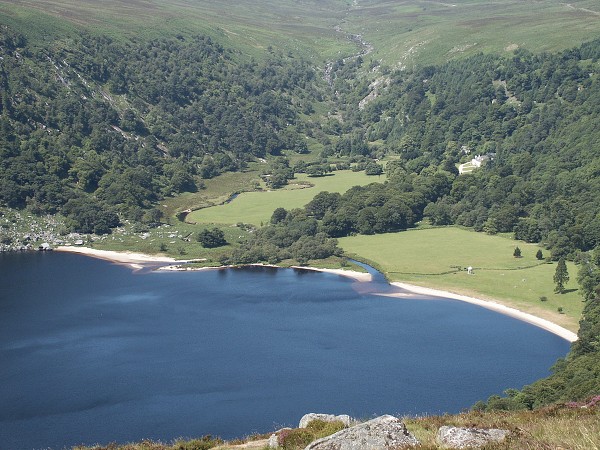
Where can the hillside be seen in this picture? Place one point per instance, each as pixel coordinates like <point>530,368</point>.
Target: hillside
<point>133,116</point>
<point>402,33</point>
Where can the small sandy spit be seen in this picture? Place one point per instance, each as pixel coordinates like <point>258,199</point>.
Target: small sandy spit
<point>358,276</point>
<point>134,260</point>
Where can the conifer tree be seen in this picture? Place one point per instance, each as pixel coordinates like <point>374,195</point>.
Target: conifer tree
<point>561,276</point>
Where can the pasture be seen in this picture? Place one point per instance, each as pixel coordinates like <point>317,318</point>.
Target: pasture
<point>438,258</point>
<point>257,207</point>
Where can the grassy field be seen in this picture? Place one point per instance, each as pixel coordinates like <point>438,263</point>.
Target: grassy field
<point>217,191</point>
<point>402,32</point>
<point>257,207</point>
<point>430,257</point>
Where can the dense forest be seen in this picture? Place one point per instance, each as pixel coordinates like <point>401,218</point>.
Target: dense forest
<point>532,115</point>
<point>100,130</point>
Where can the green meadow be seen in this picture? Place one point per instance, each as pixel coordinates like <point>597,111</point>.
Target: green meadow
<point>438,258</point>
<point>256,208</point>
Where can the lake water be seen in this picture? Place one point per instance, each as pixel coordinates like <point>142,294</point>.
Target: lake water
<point>91,352</point>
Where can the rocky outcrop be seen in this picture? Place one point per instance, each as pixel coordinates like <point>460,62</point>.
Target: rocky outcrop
<point>307,418</point>
<point>455,437</point>
<point>273,441</point>
<point>382,433</point>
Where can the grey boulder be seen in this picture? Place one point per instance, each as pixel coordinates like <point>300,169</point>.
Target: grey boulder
<point>457,437</point>
<point>382,433</point>
<point>307,418</point>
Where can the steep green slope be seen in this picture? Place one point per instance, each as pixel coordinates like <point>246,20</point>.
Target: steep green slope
<point>532,118</point>
<point>303,27</point>
<point>92,126</point>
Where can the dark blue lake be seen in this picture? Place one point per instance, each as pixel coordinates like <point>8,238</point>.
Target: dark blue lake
<point>91,352</point>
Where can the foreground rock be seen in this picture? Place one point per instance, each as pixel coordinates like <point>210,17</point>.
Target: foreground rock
<point>382,433</point>
<point>455,437</point>
<point>307,418</point>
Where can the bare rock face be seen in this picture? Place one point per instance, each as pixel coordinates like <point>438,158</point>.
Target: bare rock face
<point>307,418</point>
<point>273,441</point>
<point>455,437</point>
<point>382,433</point>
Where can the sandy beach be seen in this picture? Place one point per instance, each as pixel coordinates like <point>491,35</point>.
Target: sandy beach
<point>494,306</point>
<point>134,260</point>
<point>140,260</point>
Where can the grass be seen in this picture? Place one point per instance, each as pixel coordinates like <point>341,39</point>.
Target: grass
<point>403,33</point>
<point>257,207</point>
<point>554,427</point>
<point>431,258</point>
<point>177,241</point>
<point>217,191</point>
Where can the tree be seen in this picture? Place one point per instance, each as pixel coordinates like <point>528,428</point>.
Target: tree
<point>517,252</point>
<point>372,168</point>
<point>561,276</point>
<point>588,278</point>
<point>278,215</point>
<point>212,238</point>
<point>539,255</point>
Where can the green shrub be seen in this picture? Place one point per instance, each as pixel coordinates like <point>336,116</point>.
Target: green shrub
<point>321,428</point>
<point>295,439</point>
<point>300,437</point>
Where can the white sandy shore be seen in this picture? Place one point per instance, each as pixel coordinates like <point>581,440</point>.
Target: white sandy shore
<point>494,306</point>
<point>139,260</point>
<point>135,260</point>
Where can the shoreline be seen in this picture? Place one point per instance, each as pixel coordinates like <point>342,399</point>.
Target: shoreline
<point>140,260</point>
<point>489,304</point>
